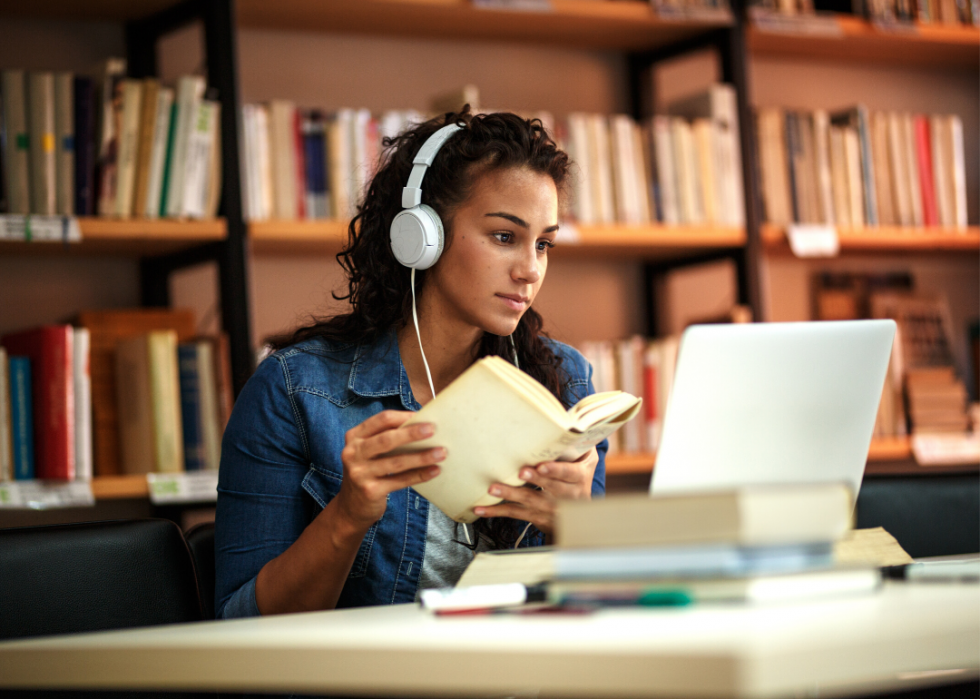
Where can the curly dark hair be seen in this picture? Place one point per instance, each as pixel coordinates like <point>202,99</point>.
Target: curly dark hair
<point>378,286</point>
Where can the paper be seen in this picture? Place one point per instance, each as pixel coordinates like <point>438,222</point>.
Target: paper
<point>526,566</point>
<point>875,546</point>
<point>810,240</point>
<point>946,449</point>
<point>193,486</point>
<point>45,495</point>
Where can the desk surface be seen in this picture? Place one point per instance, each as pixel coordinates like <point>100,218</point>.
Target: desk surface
<point>905,635</point>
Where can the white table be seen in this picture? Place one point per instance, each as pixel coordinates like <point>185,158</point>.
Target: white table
<point>906,635</point>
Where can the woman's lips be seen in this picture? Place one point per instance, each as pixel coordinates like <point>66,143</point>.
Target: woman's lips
<point>514,301</point>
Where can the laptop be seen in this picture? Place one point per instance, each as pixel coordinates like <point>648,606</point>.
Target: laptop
<point>772,403</point>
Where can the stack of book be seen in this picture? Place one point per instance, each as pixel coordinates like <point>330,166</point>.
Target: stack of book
<point>762,544</point>
<point>116,394</point>
<point>937,400</point>
<point>857,168</point>
<point>108,145</point>
<point>885,12</point>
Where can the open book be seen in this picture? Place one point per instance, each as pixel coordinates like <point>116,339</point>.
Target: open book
<point>495,419</point>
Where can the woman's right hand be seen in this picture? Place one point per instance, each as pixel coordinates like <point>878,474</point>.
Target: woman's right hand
<point>369,475</point>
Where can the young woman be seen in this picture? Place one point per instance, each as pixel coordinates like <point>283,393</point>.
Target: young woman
<point>311,514</point>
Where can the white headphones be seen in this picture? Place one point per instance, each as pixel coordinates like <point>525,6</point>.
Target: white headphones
<point>416,234</point>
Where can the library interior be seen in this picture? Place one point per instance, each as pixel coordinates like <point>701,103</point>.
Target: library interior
<point>179,177</point>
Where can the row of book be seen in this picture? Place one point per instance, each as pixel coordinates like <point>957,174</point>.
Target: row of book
<point>680,168</point>
<point>108,145</point>
<point>888,12</point>
<point>119,392</point>
<point>860,168</point>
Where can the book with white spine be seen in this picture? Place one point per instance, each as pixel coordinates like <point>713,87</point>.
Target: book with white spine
<point>959,170</point>
<point>190,92</point>
<point>198,163</point>
<point>129,137</point>
<point>64,128</point>
<point>16,154</point>
<point>158,152</point>
<point>40,92</point>
<point>666,171</point>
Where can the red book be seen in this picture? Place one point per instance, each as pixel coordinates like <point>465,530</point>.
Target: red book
<point>50,349</point>
<point>923,153</point>
<point>300,165</point>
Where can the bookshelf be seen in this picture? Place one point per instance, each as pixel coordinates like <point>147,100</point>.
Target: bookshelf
<point>128,238</point>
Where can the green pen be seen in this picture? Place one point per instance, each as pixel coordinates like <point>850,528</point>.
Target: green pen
<point>664,598</point>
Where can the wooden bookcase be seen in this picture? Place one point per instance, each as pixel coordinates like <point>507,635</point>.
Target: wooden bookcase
<point>628,27</point>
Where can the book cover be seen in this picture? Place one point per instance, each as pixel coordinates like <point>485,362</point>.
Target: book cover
<point>197,164</point>
<point>17,148</point>
<point>64,129</point>
<point>959,170</point>
<point>705,152</point>
<point>340,153</point>
<point>84,129</point>
<point>898,168</point>
<point>213,191</point>
<point>838,177</point>
<point>40,90</point>
<point>942,165</point>
<point>50,349</point>
<point>82,377</point>
<point>600,158</point>
<point>578,147</point>
<point>21,418</point>
<point>666,170</point>
<point>283,158</point>
<point>855,182</point>
<point>794,149</point>
<point>750,516</point>
<point>6,425</point>
<point>912,169</point>
<point>300,163</point>
<point>857,118</point>
<point>109,75</point>
<point>494,419</point>
<point>883,171</point>
<point>107,328</point>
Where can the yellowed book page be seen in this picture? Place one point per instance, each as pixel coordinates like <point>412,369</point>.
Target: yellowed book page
<point>527,566</point>
<point>874,546</point>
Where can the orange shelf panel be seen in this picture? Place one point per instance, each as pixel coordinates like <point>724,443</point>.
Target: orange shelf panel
<point>120,487</point>
<point>926,45</point>
<point>597,24</point>
<point>886,239</point>
<point>137,237</point>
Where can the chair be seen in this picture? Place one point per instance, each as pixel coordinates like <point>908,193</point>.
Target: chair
<point>200,540</point>
<point>93,576</point>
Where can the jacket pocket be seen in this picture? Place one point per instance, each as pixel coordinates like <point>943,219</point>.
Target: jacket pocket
<point>323,487</point>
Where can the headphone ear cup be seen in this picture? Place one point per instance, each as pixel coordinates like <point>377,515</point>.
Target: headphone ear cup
<point>417,237</point>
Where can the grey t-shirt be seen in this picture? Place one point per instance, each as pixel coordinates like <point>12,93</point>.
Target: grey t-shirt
<point>445,560</point>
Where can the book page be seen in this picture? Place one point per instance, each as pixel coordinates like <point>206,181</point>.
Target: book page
<point>875,546</point>
<point>527,566</point>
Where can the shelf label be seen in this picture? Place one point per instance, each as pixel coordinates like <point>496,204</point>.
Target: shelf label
<point>45,495</point>
<point>804,25</point>
<point>946,449</point>
<point>515,5</point>
<point>813,240</point>
<point>193,486</point>
<point>40,229</point>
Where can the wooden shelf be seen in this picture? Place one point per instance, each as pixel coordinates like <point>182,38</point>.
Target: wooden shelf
<point>888,239</point>
<point>137,237</point>
<point>925,45</point>
<point>93,10</point>
<point>120,487</point>
<point>661,242</point>
<point>881,457</point>
<point>596,24</point>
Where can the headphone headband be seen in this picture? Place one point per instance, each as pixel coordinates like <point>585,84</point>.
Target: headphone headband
<point>412,192</point>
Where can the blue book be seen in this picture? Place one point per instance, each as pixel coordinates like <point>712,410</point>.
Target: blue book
<point>22,418</point>
<point>190,406</point>
<point>697,561</point>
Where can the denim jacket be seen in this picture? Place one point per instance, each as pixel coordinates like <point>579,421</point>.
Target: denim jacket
<point>280,465</point>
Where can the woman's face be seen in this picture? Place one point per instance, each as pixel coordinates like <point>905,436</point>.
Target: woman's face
<point>490,273</point>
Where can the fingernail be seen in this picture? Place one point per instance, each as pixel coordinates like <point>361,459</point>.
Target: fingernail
<point>433,471</point>
<point>427,429</point>
<point>479,511</point>
<point>543,470</point>
<point>526,474</point>
<point>494,490</point>
<point>439,453</point>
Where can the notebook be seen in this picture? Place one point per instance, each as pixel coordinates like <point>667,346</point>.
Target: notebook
<point>767,403</point>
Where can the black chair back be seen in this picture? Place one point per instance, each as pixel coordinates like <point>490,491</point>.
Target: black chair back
<point>93,576</point>
<point>200,540</point>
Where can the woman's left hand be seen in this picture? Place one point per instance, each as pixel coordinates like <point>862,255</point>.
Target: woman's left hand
<point>557,480</point>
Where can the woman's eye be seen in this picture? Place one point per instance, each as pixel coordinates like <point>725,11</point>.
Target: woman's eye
<point>504,237</point>
<point>545,245</point>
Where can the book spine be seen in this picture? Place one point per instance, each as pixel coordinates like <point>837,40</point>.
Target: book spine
<point>165,393</point>
<point>158,154</point>
<point>6,427</point>
<point>959,168</point>
<point>190,92</point>
<point>793,151</point>
<point>941,168</point>
<point>41,110</point>
<point>17,152</point>
<point>923,151</point>
<point>190,406</point>
<point>129,137</point>
<point>65,147</point>
<point>144,153</point>
<point>168,160</point>
<point>299,164</point>
<point>111,117</point>
<point>211,427</point>
<point>21,418</point>
<point>82,377</point>
<point>84,128</point>
<point>198,162</point>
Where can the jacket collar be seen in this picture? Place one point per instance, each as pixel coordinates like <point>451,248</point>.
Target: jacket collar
<point>377,370</point>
